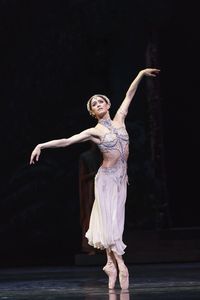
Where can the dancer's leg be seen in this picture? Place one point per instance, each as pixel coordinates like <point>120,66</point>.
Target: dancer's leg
<point>110,257</point>
<point>111,269</point>
<point>123,271</point>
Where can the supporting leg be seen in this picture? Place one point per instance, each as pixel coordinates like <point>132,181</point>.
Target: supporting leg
<point>123,271</point>
<point>111,269</point>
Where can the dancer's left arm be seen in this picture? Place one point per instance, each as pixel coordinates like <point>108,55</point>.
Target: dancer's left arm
<point>123,109</point>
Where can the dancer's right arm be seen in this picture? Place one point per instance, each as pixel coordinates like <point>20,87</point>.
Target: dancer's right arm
<point>86,135</point>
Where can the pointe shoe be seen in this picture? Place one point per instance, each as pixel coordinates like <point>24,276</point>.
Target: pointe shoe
<point>123,277</point>
<point>111,271</point>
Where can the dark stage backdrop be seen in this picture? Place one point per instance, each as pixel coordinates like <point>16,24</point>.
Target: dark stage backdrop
<point>54,55</point>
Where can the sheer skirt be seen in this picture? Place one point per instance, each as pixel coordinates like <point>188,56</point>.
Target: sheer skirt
<point>108,213</point>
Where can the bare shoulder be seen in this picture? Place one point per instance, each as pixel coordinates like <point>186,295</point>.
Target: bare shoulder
<point>94,133</point>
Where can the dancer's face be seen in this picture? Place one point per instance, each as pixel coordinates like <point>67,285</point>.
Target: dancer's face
<point>99,106</point>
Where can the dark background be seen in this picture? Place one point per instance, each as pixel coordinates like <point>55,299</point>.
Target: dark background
<point>53,56</point>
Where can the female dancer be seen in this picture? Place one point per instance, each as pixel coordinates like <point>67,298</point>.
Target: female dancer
<point>108,212</point>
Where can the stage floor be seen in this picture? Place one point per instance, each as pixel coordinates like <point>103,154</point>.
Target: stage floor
<point>149,281</point>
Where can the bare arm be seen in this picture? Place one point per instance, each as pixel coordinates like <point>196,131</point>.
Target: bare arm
<point>123,109</point>
<point>86,135</point>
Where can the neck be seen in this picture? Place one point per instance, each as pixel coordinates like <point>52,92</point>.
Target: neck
<point>105,122</point>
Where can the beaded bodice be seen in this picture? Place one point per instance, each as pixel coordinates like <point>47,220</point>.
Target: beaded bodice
<point>116,139</point>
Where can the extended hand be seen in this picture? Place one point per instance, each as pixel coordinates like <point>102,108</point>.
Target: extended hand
<point>151,72</point>
<point>35,155</point>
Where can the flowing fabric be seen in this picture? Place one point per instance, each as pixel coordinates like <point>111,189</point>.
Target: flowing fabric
<point>108,212</point>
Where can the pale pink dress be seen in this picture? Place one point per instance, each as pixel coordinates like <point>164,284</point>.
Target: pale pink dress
<point>107,217</point>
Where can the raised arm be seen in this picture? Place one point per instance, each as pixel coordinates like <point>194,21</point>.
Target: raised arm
<point>86,135</point>
<point>123,109</point>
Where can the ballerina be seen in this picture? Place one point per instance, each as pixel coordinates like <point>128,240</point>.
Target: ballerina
<point>106,225</point>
